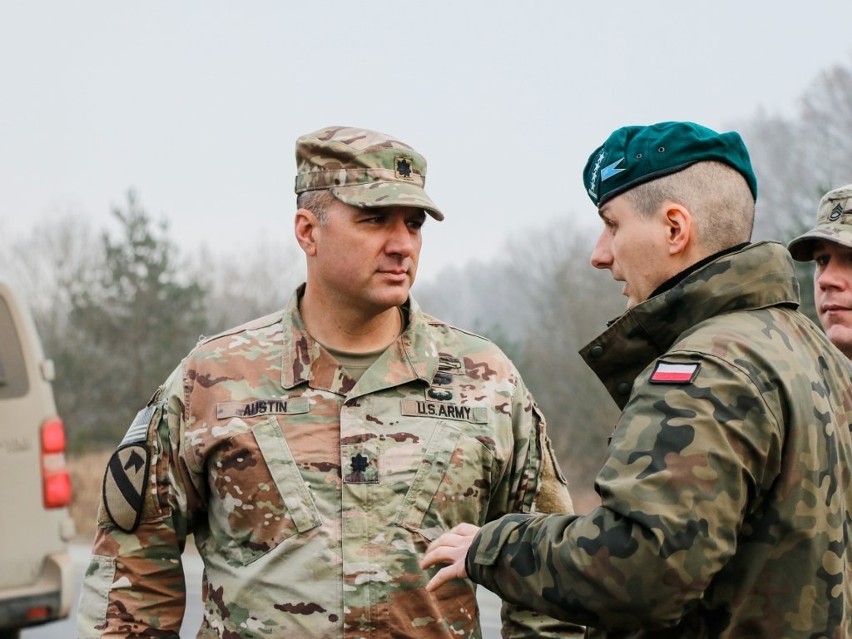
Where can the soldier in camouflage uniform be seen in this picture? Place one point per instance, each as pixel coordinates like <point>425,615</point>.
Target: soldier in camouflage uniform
<point>315,453</point>
<point>725,498</point>
<point>829,245</point>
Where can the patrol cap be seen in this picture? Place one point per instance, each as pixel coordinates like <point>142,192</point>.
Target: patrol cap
<point>834,224</point>
<point>636,154</point>
<point>362,168</point>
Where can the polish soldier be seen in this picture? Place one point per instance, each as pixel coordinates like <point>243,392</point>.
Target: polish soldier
<point>726,496</point>
<point>314,453</point>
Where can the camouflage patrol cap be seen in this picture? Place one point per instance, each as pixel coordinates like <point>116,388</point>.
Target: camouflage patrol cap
<point>834,224</point>
<point>636,154</point>
<point>363,168</point>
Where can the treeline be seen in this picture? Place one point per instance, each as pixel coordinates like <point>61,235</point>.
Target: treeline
<point>118,310</point>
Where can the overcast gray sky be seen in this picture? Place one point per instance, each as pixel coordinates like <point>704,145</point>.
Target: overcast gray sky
<point>196,105</point>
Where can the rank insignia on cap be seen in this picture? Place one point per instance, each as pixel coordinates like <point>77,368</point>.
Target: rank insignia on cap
<point>403,167</point>
<point>125,481</point>
<point>669,373</point>
<point>835,214</point>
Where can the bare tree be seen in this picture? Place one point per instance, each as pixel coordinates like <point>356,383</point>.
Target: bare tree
<point>826,117</point>
<point>573,302</point>
<point>49,263</point>
<point>798,159</point>
<point>243,285</point>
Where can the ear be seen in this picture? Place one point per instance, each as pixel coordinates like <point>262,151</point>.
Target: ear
<point>678,221</point>
<point>305,227</point>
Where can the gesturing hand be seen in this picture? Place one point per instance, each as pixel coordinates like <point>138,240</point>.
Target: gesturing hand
<point>450,548</point>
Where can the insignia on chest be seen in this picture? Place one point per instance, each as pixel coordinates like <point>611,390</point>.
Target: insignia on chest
<point>442,383</point>
<point>440,393</point>
<point>252,408</point>
<point>361,469</point>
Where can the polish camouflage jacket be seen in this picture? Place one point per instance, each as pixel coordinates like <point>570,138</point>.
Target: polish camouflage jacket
<point>726,497</point>
<point>312,497</point>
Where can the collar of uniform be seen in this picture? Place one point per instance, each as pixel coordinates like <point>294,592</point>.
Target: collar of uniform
<point>412,356</point>
<point>673,281</point>
<point>299,350</point>
<point>757,276</point>
<point>418,344</point>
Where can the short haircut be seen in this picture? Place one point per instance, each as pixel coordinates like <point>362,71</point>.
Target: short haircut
<point>316,202</point>
<point>716,194</point>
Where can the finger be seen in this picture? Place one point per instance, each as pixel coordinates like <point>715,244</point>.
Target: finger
<point>447,539</point>
<point>465,530</point>
<point>437,555</point>
<point>441,577</point>
<point>455,535</point>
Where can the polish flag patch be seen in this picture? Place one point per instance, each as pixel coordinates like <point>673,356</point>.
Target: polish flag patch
<point>669,373</point>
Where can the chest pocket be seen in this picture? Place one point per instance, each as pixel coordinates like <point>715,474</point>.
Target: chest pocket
<point>453,484</point>
<point>263,498</point>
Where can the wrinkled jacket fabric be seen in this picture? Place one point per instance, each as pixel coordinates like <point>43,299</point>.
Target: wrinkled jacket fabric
<point>312,497</point>
<point>725,500</point>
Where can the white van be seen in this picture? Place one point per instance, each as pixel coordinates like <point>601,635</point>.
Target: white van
<point>36,576</point>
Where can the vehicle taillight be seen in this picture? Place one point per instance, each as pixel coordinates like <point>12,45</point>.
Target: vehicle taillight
<point>56,481</point>
<point>38,613</point>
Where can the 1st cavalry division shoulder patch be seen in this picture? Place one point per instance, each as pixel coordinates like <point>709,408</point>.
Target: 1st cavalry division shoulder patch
<point>126,476</point>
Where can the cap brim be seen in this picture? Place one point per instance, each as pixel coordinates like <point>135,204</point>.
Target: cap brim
<point>385,194</point>
<point>802,248</point>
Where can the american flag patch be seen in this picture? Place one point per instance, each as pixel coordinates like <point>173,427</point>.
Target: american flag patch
<point>668,373</point>
<point>138,430</point>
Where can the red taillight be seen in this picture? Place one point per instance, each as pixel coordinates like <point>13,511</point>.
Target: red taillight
<point>39,613</point>
<point>56,481</point>
<point>52,437</point>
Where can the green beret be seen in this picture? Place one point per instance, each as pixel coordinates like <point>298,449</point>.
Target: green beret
<point>636,154</point>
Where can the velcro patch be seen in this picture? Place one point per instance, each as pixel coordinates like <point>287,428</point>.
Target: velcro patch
<point>138,431</point>
<point>671,373</point>
<point>417,408</point>
<point>294,406</point>
<point>125,481</point>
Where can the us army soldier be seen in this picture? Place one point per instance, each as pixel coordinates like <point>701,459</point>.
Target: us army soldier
<point>829,245</point>
<point>725,498</point>
<point>314,453</point>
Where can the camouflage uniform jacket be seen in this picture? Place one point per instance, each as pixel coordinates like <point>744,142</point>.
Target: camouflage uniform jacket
<point>725,498</point>
<point>312,497</point>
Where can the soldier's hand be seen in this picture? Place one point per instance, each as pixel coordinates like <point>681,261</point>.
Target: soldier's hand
<point>450,548</point>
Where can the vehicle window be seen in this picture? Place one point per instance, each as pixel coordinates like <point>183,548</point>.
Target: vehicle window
<point>13,372</point>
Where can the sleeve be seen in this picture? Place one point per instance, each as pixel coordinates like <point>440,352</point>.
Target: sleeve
<point>683,463</point>
<point>540,487</point>
<point>134,585</point>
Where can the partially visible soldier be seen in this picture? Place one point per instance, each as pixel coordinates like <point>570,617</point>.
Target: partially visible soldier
<point>726,498</point>
<point>829,244</point>
<point>314,453</point>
